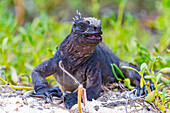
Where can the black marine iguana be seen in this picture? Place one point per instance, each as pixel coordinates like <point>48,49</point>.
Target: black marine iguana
<point>87,58</point>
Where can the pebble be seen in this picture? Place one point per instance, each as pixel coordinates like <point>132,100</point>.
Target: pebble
<point>40,108</point>
<point>21,106</point>
<point>31,106</point>
<point>96,107</point>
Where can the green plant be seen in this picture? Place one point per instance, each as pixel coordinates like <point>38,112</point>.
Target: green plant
<point>156,92</point>
<point>125,80</point>
<point>143,68</point>
<point>155,77</point>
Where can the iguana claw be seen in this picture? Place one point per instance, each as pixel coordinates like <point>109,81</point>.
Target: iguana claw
<point>49,92</point>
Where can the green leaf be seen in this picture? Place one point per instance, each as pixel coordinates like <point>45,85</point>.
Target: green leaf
<point>163,93</point>
<point>150,97</point>
<point>158,77</point>
<point>127,83</point>
<point>23,32</point>
<point>168,105</point>
<point>126,47</point>
<point>149,57</point>
<point>114,73</point>
<point>30,39</point>
<point>150,77</point>
<point>156,48</point>
<point>161,107</point>
<point>50,50</point>
<point>143,66</point>
<point>14,27</point>
<point>160,85</point>
<point>119,71</point>
<point>165,70</point>
<point>35,24</point>
<point>165,80</point>
<point>158,58</point>
<point>57,47</point>
<point>4,43</point>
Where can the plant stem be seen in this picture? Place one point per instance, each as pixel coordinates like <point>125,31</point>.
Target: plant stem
<point>152,67</point>
<point>17,87</point>
<point>120,14</point>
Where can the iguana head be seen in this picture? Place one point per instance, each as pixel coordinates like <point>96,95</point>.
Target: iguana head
<point>88,28</point>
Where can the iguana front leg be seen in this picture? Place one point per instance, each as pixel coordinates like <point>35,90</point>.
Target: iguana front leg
<point>93,87</point>
<point>39,73</point>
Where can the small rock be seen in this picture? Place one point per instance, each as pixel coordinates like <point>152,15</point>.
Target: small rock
<point>21,106</point>
<point>96,107</point>
<point>31,106</point>
<point>148,109</point>
<point>17,102</point>
<point>40,108</point>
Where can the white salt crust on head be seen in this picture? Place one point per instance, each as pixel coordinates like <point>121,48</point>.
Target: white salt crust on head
<point>93,21</point>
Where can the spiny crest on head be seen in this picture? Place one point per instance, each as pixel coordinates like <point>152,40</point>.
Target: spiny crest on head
<point>92,20</point>
<point>78,17</point>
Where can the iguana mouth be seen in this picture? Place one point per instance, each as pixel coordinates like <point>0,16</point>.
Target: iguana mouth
<point>94,36</point>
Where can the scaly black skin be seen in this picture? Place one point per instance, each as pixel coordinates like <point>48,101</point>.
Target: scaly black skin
<point>88,60</point>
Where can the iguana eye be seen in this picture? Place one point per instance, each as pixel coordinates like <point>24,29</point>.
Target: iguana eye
<point>82,26</point>
<point>88,22</point>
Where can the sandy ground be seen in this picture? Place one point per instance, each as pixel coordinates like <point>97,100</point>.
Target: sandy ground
<point>120,101</point>
<point>109,102</point>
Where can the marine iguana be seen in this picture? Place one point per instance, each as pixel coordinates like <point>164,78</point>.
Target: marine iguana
<point>87,58</point>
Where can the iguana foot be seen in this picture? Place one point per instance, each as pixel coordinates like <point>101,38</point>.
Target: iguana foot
<point>70,99</point>
<point>49,92</point>
<point>142,91</point>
